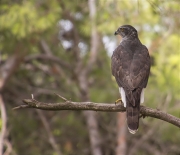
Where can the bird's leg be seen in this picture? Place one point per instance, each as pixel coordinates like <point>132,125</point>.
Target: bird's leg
<point>118,100</point>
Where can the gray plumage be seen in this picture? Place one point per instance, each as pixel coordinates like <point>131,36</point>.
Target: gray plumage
<point>130,64</point>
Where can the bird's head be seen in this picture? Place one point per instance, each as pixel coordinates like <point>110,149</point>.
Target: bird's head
<point>126,31</point>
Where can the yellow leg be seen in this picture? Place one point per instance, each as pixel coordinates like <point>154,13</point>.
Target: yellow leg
<point>118,100</point>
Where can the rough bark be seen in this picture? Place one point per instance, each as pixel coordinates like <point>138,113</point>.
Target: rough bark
<point>106,107</point>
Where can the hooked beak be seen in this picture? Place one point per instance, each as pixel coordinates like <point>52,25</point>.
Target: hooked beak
<point>116,32</point>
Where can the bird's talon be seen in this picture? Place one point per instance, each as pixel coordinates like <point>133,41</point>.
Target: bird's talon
<point>118,100</point>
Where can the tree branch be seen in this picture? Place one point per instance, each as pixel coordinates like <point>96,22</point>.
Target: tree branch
<point>46,57</point>
<point>106,107</point>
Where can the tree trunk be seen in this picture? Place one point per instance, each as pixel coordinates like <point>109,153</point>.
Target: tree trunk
<point>6,71</point>
<point>121,134</point>
<point>93,132</point>
<point>90,116</point>
<point>3,127</point>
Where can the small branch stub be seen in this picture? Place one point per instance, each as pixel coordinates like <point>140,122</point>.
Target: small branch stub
<point>32,96</point>
<point>64,99</point>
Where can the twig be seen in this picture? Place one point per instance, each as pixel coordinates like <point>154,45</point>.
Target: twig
<point>21,106</point>
<point>32,96</point>
<point>61,97</point>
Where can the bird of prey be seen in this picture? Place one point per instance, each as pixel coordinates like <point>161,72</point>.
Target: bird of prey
<point>130,64</point>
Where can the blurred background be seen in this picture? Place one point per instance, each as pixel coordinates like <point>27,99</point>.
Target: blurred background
<point>65,47</point>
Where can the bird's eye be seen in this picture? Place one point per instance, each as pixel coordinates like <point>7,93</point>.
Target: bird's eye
<point>122,29</point>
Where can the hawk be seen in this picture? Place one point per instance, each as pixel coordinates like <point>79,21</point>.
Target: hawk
<point>130,64</point>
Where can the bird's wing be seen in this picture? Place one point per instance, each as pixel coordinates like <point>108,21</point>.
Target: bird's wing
<point>139,68</point>
<point>131,69</point>
<point>119,65</point>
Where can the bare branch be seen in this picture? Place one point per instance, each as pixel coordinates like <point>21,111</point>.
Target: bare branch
<point>52,140</point>
<point>45,47</point>
<point>47,57</point>
<point>106,107</point>
<point>21,107</point>
<point>143,139</point>
<point>7,69</point>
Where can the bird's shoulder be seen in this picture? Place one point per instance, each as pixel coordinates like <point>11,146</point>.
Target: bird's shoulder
<point>118,52</point>
<point>119,61</point>
<point>115,59</point>
<point>143,54</point>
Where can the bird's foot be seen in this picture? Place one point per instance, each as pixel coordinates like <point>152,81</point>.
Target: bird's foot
<point>118,100</point>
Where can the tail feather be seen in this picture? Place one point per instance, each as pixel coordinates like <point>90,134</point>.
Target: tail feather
<point>132,110</point>
<point>132,118</point>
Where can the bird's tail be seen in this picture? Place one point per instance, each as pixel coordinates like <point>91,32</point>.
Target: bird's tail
<point>132,110</point>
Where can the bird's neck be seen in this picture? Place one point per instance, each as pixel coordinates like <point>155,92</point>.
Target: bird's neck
<point>130,40</point>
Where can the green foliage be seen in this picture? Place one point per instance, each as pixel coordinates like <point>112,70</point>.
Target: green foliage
<point>24,20</point>
<point>167,68</point>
